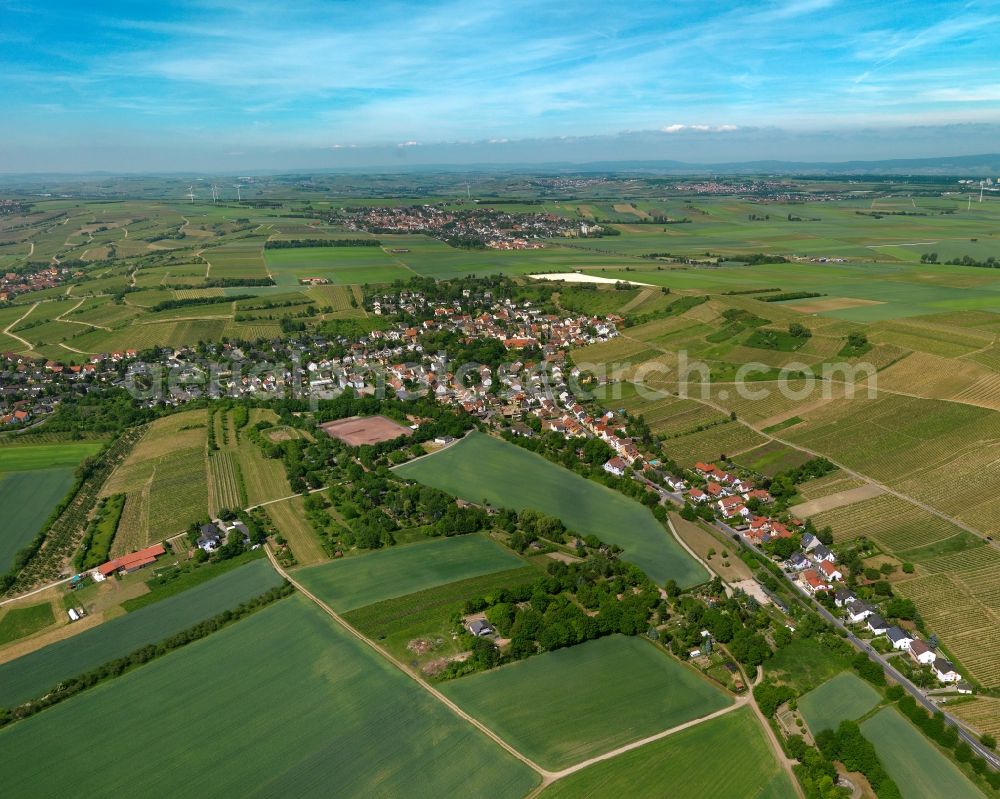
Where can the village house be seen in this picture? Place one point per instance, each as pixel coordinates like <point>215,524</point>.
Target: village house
<point>858,611</point>
<point>899,638</point>
<point>616,466</point>
<point>812,582</point>
<point>877,624</point>
<point>843,596</point>
<point>921,652</point>
<point>945,670</point>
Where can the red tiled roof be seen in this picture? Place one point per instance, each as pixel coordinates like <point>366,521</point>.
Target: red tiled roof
<point>133,560</point>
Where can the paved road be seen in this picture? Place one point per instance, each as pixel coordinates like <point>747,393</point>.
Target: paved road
<point>987,754</point>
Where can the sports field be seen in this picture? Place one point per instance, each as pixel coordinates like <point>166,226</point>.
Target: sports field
<point>565,706</point>
<point>480,468</point>
<point>283,703</point>
<point>359,430</point>
<point>916,766</point>
<point>395,571</point>
<point>845,697</point>
<point>725,758</point>
<point>31,675</point>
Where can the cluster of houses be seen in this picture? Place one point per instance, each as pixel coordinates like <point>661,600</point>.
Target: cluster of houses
<point>492,228</point>
<point>816,565</point>
<point>26,384</point>
<point>12,283</point>
<point>857,611</point>
<point>730,495</point>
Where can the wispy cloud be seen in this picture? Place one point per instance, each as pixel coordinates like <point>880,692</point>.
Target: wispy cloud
<point>302,74</point>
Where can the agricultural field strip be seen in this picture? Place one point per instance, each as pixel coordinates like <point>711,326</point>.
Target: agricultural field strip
<point>26,677</point>
<point>547,776</point>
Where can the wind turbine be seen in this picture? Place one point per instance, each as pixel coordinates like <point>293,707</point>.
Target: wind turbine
<point>215,193</point>
<point>237,187</point>
<point>190,194</point>
<point>981,186</point>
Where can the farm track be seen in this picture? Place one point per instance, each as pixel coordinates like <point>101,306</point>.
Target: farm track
<point>7,329</point>
<point>403,668</point>
<point>61,318</point>
<point>548,776</point>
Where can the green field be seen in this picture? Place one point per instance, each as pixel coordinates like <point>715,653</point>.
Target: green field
<point>23,621</point>
<point>562,707</point>
<point>845,697</point>
<point>34,478</point>
<point>28,499</point>
<point>23,457</point>
<point>399,618</point>
<point>358,581</point>
<point>283,703</point>
<point>31,675</point>
<point>917,767</point>
<point>725,758</point>
<point>482,468</point>
<point>804,663</point>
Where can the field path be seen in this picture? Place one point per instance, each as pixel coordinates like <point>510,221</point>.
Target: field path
<point>7,332</point>
<point>552,776</point>
<point>406,670</point>
<point>683,543</point>
<point>638,300</point>
<point>34,591</point>
<point>285,499</point>
<point>208,268</point>
<point>61,318</point>
<point>31,250</point>
<point>784,760</point>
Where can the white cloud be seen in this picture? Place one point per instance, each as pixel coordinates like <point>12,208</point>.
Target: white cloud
<point>679,128</point>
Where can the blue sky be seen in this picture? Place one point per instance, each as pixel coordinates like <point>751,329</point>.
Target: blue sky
<point>235,85</point>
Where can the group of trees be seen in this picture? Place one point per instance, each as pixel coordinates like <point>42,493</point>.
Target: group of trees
<point>546,614</point>
<point>857,753</point>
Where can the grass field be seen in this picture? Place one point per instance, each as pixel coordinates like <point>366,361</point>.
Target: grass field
<point>396,571</point>
<point>804,663</point>
<point>27,499</point>
<point>31,675</point>
<point>34,478</point>
<point>25,457</point>
<point>330,717</point>
<point>845,697</point>
<point>289,518</point>
<point>22,621</point>
<point>562,707</point>
<point>427,614</point>
<point>482,468</point>
<point>725,758</point>
<point>917,767</point>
